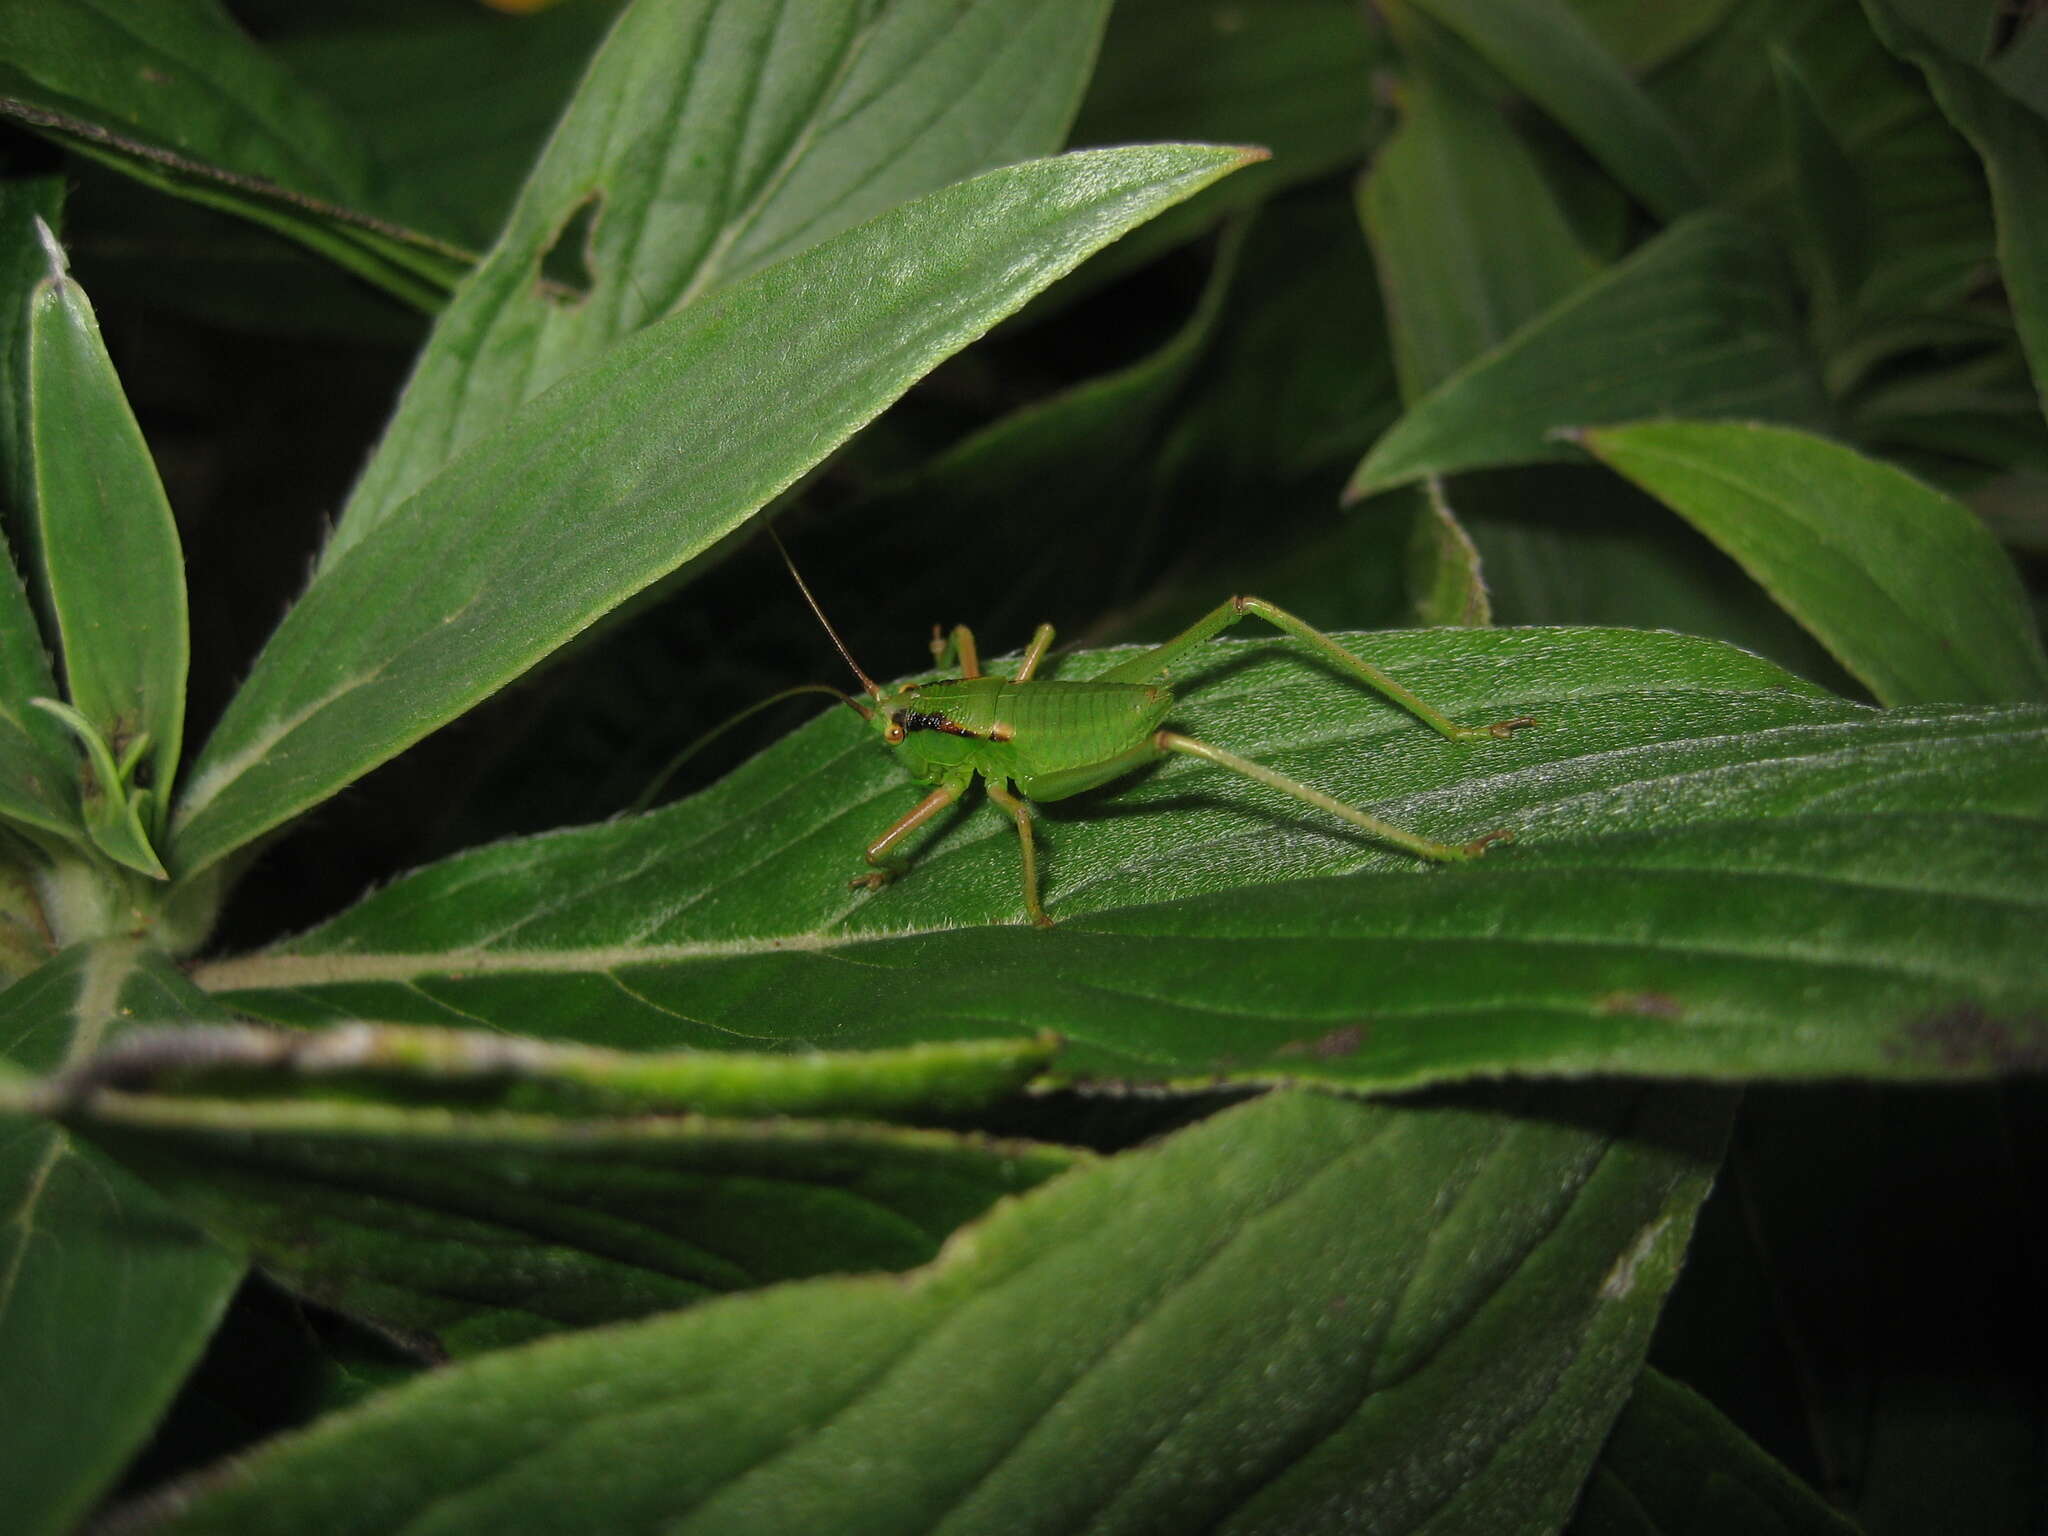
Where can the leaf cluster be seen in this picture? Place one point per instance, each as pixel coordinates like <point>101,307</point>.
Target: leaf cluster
<point>451,1073</point>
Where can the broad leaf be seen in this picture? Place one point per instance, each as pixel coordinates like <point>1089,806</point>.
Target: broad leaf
<point>1560,64</point>
<point>1900,582</point>
<point>1835,217</point>
<point>2012,140</point>
<point>1720,872</point>
<point>708,141</point>
<point>1287,1316</point>
<point>1444,567</point>
<point>1673,1464</point>
<point>1711,291</point>
<point>179,97</point>
<point>492,1204</point>
<point>1469,240</point>
<point>106,1294</point>
<point>111,563</point>
<point>631,467</point>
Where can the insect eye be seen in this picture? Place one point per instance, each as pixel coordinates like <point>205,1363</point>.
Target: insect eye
<point>893,735</point>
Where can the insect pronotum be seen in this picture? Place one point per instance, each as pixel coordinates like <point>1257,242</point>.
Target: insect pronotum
<point>1027,738</point>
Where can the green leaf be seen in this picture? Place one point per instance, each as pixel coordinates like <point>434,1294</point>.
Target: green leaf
<point>1713,293</point>
<point>1292,75</point>
<point>1642,37</point>
<point>1298,1311</point>
<point>492,1207</point>
<point>1721,872</point>
<point>2012,140</point>
<point>111,560</point>
<point>1443,567</point>
<point>179,97</point>
<point>454,103</point>
<point>1931,233</point>
<point>38,787</point>
<point>106,1294</point>
<point>1900,582</point>
<point>1674,1464</point>
<point>628,469</point>
<point>1469,240</point>
<point>1835,216</point>
<point>705,143</point>
<point>1554,59</point>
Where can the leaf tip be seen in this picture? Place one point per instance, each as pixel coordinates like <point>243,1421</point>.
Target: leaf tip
<point>60,267</point>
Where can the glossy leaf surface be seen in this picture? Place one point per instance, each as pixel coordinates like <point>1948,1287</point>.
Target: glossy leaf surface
<point>1900,582</point>
<point>1720,871</point>
<point>1298,1311</point>
<point>629,468</point>
<point>106,1293</point>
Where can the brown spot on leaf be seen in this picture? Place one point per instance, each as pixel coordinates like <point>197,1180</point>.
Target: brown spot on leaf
<point>1970,1035</point>
<point>1345,1040</point>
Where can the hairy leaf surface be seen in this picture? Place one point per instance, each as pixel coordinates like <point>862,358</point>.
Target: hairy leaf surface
<point>1720,871</point>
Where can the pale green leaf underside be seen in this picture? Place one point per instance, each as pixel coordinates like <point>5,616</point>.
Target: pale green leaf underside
<point>1297,1312</point>
<point>626,470</point>
<point>1721,872</point>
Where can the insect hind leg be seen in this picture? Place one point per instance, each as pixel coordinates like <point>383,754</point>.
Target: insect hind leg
<point>1384,831</point>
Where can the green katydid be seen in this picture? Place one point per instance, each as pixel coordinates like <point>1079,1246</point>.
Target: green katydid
<point>1027,738</point>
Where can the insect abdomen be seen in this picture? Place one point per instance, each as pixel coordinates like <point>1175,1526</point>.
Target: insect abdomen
<point>1056,727</point>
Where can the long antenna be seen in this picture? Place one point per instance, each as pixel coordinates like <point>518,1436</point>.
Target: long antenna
<point>803,587</point>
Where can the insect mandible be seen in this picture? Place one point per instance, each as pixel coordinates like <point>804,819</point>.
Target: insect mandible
<point>1027,738</point>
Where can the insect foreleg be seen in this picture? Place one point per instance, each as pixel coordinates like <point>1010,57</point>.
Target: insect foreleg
<point>1229,612</point>
<point>1387,832</point>
<point>1021,814</point>
<point>908,823</point>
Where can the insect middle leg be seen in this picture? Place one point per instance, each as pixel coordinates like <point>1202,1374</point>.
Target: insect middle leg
<point>1232,610</point>
<point>1027,844</point>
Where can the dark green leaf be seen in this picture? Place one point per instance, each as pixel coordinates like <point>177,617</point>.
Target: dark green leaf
<point>2013,143</point>
<point>1710,290</point>
<point>705,143</point>
<point>106,1294</point>
<point>179,97</point>
<point>1644,36</point>
<point>623,472</point>
<point>1900,582</point>
<point>453,101</point>
<point>1721,872</point>
<point>1673,1464</point>
<point>467,1224</point>
<point>1554,59</point>
<point>1295,1314</point>
<point>111,562</point>
<point>1469,240</point>
<point>1292,75</point>
<point>1836,217</point>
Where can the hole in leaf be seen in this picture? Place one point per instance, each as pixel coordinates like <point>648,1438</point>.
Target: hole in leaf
<point>565,274</point>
